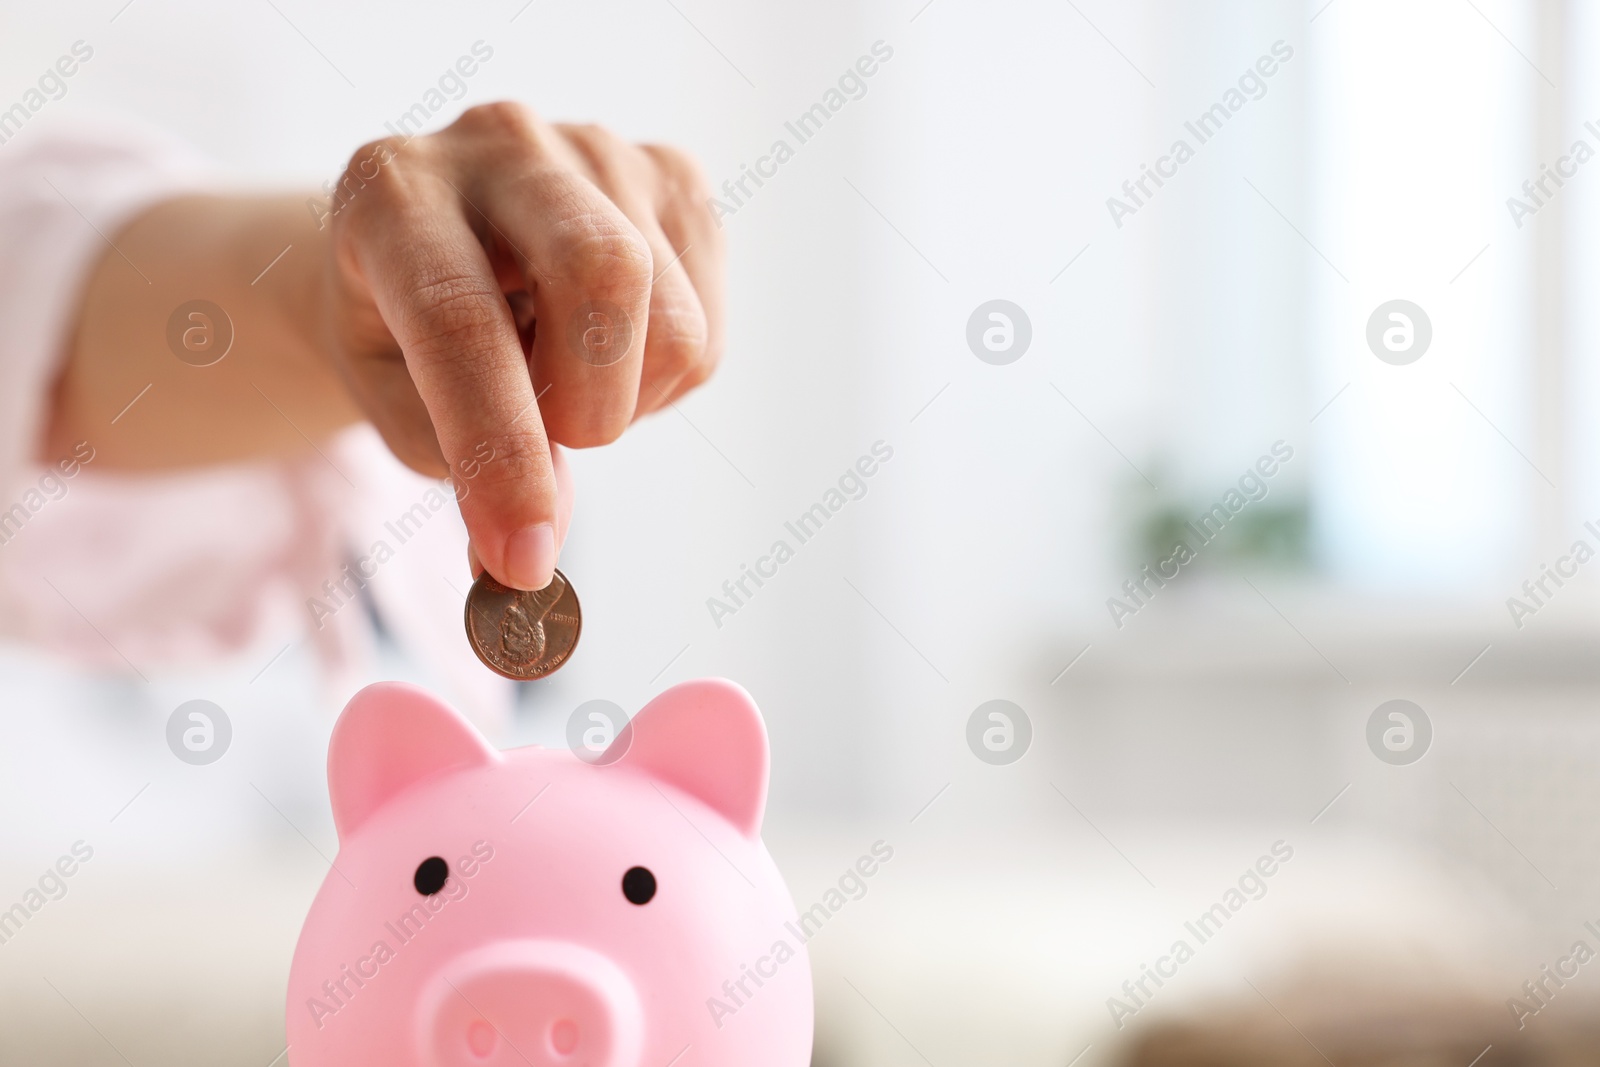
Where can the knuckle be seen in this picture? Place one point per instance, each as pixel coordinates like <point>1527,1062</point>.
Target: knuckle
<point>448,310</point>
<point>502,118</point>
<point>591,135</point>
<point>605,257</point>
<point>616,163</point>
<point>687,214</point>
<point>677,340</point>
<point>685,192</point>
<point>373,156</point>
<point>681,173</point>
<point>700,373</point>
<point>367,182</point>
<point>518,457</point>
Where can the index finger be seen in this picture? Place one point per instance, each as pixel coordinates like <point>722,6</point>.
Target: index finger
<point>436,289</point>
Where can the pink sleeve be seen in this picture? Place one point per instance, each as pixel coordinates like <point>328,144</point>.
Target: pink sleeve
<point>217,567</point>
<point>64,190</point>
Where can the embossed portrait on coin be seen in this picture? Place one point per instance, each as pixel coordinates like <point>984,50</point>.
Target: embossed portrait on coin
<point>521,636</point>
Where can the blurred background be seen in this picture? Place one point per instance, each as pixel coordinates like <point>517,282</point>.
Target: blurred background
<point>1158,340</point>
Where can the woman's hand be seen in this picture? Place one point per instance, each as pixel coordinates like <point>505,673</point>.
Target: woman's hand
<point>480,294</point>
<point>506,284</point>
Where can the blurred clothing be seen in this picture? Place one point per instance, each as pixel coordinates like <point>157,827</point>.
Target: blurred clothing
<point>136,572</point>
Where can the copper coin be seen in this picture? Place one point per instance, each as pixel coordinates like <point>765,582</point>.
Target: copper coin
<point>519,634</point>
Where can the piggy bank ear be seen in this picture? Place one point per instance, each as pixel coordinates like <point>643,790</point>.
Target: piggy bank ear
<point>389,736</point>
<point>705,737</point>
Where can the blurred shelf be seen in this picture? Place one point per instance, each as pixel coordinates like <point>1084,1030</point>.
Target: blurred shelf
<point>1277,632</point>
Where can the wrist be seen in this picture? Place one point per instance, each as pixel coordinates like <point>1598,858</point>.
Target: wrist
<point>298,289</point>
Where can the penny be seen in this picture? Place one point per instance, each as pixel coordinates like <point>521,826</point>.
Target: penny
<point>523,635</point>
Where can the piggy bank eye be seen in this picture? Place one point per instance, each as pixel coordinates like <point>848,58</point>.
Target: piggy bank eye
<point>431,876</point>
<point>639,885</point>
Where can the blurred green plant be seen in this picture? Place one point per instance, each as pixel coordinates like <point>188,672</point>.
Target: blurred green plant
<point>1269,533</point>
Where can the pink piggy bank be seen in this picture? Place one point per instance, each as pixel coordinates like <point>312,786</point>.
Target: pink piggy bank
<point>530,908</point>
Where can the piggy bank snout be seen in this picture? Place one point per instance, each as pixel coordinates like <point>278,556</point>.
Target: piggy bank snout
<point>533,1004</point>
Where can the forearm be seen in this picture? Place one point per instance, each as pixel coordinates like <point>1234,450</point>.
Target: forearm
<point>416,309</point>
<point>276,386</point>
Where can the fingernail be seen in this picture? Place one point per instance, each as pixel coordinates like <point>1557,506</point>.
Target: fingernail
<point>530,558</point>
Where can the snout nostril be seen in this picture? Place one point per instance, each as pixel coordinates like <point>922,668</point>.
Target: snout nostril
<point>529,1002</point>
<point>564,1036</point>
<point>481,1038</point>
